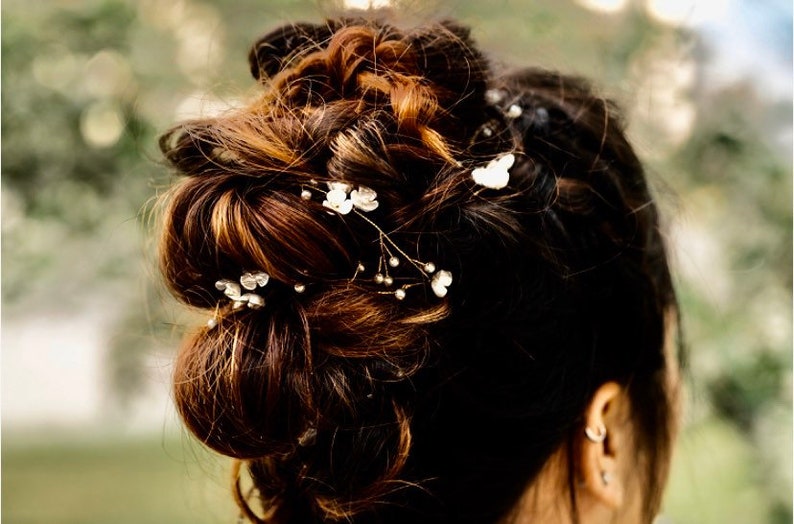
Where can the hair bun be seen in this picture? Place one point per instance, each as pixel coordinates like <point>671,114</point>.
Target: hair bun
<point>368,105</point>
<point>269,54</point>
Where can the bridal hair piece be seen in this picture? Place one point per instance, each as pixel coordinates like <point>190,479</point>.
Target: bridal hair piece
<point>340,198</point>
<point>249,281</point>
<point>496,174</point>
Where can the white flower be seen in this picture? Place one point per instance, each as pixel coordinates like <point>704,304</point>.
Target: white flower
<point>229,288</point>
<point>336,200</point>
<point>364,198</point>
<point>495,175</point>
<point>341,199</point>
<point>254,301</point>
<point>440,282</point>
<point>250,280</point>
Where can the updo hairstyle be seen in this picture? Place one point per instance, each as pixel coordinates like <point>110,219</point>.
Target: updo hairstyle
<point>347,405</point>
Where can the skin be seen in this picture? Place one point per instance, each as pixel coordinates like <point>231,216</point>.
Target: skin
<point>615,502</point>
<point>619,501</point>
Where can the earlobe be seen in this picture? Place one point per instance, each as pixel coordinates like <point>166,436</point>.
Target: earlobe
<point>601,446</point>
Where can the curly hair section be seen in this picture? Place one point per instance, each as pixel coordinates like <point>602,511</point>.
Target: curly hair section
<point>311,391</point>
<point>345,404</point>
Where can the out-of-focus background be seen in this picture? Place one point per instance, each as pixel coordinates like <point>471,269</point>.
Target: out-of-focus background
<point>88,432</point>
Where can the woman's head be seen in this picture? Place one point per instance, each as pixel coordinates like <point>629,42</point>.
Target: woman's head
<point>460,272</point>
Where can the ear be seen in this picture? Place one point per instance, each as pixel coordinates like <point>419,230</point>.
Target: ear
<point>604,445</point>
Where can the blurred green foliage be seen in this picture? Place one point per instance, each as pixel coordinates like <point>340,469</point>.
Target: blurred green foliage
<point>88,86</point>
<point>120,481</point>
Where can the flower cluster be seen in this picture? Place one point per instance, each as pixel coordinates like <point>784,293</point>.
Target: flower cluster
<point>248,281</point>
<point>440,282</point>
<point>343,199</point>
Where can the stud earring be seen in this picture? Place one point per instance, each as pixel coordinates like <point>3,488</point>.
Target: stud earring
<point>597,436</point>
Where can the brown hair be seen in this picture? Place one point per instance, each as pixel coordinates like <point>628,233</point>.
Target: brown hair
<point>346,404</point>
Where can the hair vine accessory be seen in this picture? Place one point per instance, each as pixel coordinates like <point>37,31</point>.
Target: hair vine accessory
<point>514,111</point>
<point>494,96</point>
<point>342,199</point>
<point>440,282</point>
<point>498,98</point>
<point>596,436</point>
<point>496,174</point>
<point>248,281</point>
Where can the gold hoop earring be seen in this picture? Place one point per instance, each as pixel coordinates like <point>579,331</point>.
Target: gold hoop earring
<point>598,436</point>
